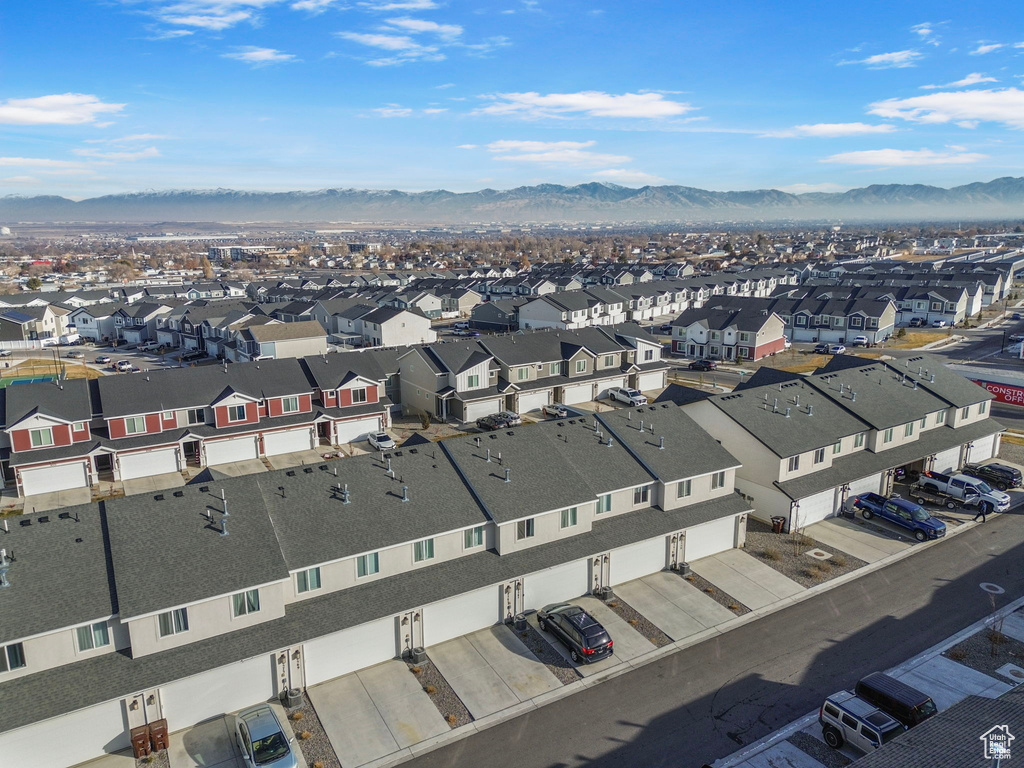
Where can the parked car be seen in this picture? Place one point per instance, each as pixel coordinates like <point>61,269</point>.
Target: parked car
<point>261,739</point>
<point>1002,476</point>
<point>703,365</point>
<point>76,354</point>
<point>1016,337</point>
<point>556,410</point>
<point>901,512</point>
<point>837,349</point>
<point>463,324</point>
<point>5,353</point>
<point>897,699</point>
<point>381,441</point>
<point>961,486</point>
<point>848,719</point>
<point>666,329</point>
<point>577,630</point>
<point>512,419</point>
<point>103,359</point>
<point>917,322</point>
<point>787,344</point>
<point>939,323</point>
<point>821,348</point>
<point>627,396</point>
<point>123,365</point>
<point>195,354</point>
<point>491,423</point>
<point>1016,316</point>
<point>860,341</point>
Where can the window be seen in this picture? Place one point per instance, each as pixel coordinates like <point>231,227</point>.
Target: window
<point>474,537</point>
<point>367,565</point>
<point>940,417</point>
<point>794,463</point>
<point>168,415</point>
<point>858,440</point>
<point>358,396</point>
<point>837,447</point>
<point>568,518</point>
<point>684,488</point>
<point>648,354</point>
<point>134,425</point>
<point>982,407</point>
<point>307,581</point>
<point>718,480</point>
<point>173,622</point>
<point>609,360</point>
<point>236,413</point>
<point>604,504</point>
<point>887,435</point>
<point>924,422</point>
<point>12,657</point>
<point>289,404</point>
<point>93,636</point>
<point>581,366</point>
<point>555,369</point>
<point>641,495</point>
<point>472,381</point>
<point>965,412</point>
<point>41,437</point>
<point>522,374</point>
<point>79,426</point>
<point>196,415</point>
<point>246,602</point>
<point>908,429</point>
<point>819,456</point>
<point>422,550</point>
<point>524,529</point>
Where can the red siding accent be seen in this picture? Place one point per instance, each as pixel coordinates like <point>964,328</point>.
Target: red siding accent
<point>170,423</point>
<point>327,398</point>
<point>21,440</point>
<point>152,423</point>
<point>263,410</point>
<point>78,435</point>
<point>275,407</point>
<point>775,345</point>
<point>61,434</point>
<point>305,403</point>
<point>115,428</point>
<point>344,398</point>
<point>371,395</point>
<point>221,415</point>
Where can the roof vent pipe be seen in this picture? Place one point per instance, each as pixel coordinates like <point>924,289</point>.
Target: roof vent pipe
<point>344,494</point>
<point>853,397</point>
<point>477,441</point>
<point>810,410</point>
<point>787,413</point>
<point>915,383</point>
<point>405,493</point>
<point>488,455</point>
<point>932,379</point>
<point>508,472</point>
<point>661,443</point>
<point>610,441</point>
<point>641,425</point>
<point>775,405</point>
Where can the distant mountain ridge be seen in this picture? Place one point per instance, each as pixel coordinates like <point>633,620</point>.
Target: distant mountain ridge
<point>543,203</point>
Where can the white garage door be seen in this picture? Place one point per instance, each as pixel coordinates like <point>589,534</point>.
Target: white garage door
<point>815,508</point>
<point>356,430</point>
<point>982,449</point>
<point>156,462</point>
<point>604,386</point>
<point>637,560</point>
<point>223,689</point>
<point>288,441</point>
<point>562,582</point>
<point>60,478</point>
<point>350,650</point>
<point>532,401</point>
<point>460,615</point>
<point>949,459</point>
<point>476,410</point>
<point>710,538</point>
<point>869,484</point>
<point>235,449</point>
<point>577,393</point>
<point>649,381</point>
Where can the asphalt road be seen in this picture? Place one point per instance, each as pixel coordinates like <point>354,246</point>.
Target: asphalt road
<point>705,702</point>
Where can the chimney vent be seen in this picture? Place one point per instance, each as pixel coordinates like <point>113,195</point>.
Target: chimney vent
<point>661,443</point>
<point>405,493</point>
<point>787,413</point>
<point>488,455</point>
<point>508,472</point>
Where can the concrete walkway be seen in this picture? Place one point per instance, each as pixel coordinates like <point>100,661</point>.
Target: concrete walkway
<point>375,712</point>
<point>853,539</point>
<point>153,483</point>
<point>674,605</point>
<point>747,579</point>
<point>948,682</point>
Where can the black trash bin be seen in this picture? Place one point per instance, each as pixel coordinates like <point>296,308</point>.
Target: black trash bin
<point>777,523</point>
<point>519,622</point>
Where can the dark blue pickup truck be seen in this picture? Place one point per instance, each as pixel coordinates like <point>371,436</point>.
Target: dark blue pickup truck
<point>901,512</point>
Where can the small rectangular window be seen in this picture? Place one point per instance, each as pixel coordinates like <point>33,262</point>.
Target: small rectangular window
<point>472,381</point>
<point>717,480</point>
<point>982,407</point>
<point>641,495</point>
<point>93,636</point>
<point>41,438</point>
<point>367,565</point>
<point>173,622</point>
<point>289,404</point>
<point>423,550</point>
<point>555,369</point>
<point>358,396</point>
<point>568,518</point>
<point>819,456</point>
<point>524,529</point>
<point>858,440</point>
<point>581,366</point>
<point>236,413</point>
<point>609,360</point>
<point>908,429</point>
<point>604,504</point>
<point>684,488</point>
<point>887,435</point>
<point>308,580</point>
<point>965,412</point>
<point>196,415</point>
<point>794,463</point>
<point>134,425</point>
<point>940,417</point>
<point>12,657</point>
<point>474,537</point>
<point>80,426</point>
<point>246,602</point>
<point>837,447</point>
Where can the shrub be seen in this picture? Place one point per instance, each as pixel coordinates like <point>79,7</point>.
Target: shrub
<point>633,622</point>
<point>318,764</point>
<point>296,716</point>
<point>734,606</point>
<point>709,590</point>
<point>306,735</point>
<point>430,689</point>
<point>416,670</point>
<point>613,604</point>
<point>452,719</point>
<point>838,561</point>
<point>956,654</point>
<point>425,420</point>
<point>770,553</point>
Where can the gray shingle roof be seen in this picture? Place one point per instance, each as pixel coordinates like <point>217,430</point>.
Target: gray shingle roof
<point>303,329</point>
<point>68,401</point>
<point>877,395</point>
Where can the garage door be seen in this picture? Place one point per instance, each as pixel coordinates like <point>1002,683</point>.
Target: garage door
<point>648,381</point>
<point>156,462</point>
<point>949,459</point>
<point>288,441</point>
<point>235,449</point>
<point>982,449</point>
<point>604,386</point>
<point>710,538</point>
<point>870,484</point>
<point>59,478</point>
<point>356,430</point>
<point>532,401</point>
<point>562,582</point>
<point>577,393</point>
<point>482,408</point>
<point>460,615</point>
<point>337,654</point>
<point>637,560</point>
<point>815,508</point>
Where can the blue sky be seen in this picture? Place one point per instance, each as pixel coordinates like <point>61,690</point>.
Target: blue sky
<point>105,96</point>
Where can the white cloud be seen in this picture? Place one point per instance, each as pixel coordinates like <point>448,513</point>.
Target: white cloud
<point>434,110</point>
<point>171,34</point>
<point>586,103</point>
<point>926,32</point>
<point>443,86</point>
<point>214,22</point>
<point>1004,106</point>
<point>404,47</point>
<point>802,189</point>
<point>831,130</point>
<point>19,180</point>
<point>58,109</point>
<point>38,162</point>
<point>399,5</point>
<point>974,78</point>
<point>467,146</point>
<point>984,48</point>
<point>312,6</point>
<point>905,157</point>
<point>894,60</point>
<point>628,176</point>
<point>141,154</point>
<point>444,31</point>
<point>571,153</point>
<point>393,111</point>
<point>259,57</point>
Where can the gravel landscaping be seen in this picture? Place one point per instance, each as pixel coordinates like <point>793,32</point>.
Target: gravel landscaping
<point>787,554</point>
<point>988,650</point>
<point>1011,451</point>
<point>316,748</point>
<point>819,750</point>
<point>443,695</point>
<point>720,597</point>
<point>156,760</point>
<point>560,667</point>
<point>639,622</point>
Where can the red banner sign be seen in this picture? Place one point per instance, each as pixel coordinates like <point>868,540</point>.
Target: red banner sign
<point>1005,393</point>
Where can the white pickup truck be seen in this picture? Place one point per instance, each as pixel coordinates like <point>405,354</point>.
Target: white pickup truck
<point>963,486</point>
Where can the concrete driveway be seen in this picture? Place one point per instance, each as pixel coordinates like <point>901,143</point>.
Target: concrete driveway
<point>854,539</point>
<point>296,459</point>
<point>237,468</point>
<point>673,605</point>
<point>492,670</point>
<point>207,745</point>
<point>153,483</point>
<point>745,578</point>
<point>41,502</point>
<point>376,712</point>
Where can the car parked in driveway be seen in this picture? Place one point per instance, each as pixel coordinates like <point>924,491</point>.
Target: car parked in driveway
<point>901,512</point>
<point>837,349</point>
<point>849,719</point>
<point>512,419</point>
<point>821,348</point>
<point>917,322</point>
<point>703,365</point>
<point>859,341</point>
<point>555,410</point>
<point>262,739</point>
<point>939,323</point>
<point>491,423</point>
<point>103,359</point>
<point>381,441</point>
<point>1002,476</point>
<point>587,640</point>
<point>627,396</point>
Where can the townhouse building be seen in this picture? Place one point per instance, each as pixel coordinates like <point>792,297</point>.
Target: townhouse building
<point>573,309</point>
<point>138,323</point>
<point>728,334</point>
<point>275,340</point>
<point>314,573</point>
<point>34,323</point>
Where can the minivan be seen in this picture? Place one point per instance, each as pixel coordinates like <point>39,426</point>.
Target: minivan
<point>905,703</point>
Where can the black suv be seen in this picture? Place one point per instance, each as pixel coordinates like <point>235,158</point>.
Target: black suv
<point>999,475</point>
<point>578,631</point>
<point>703,365</point>
<point>492,422</point>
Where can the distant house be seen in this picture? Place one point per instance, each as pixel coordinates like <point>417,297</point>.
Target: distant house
<point>390,327</point>
<point>728,334</point>
<point>278,341</point>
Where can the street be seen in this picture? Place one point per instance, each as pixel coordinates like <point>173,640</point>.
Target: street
<point>705,702</point>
